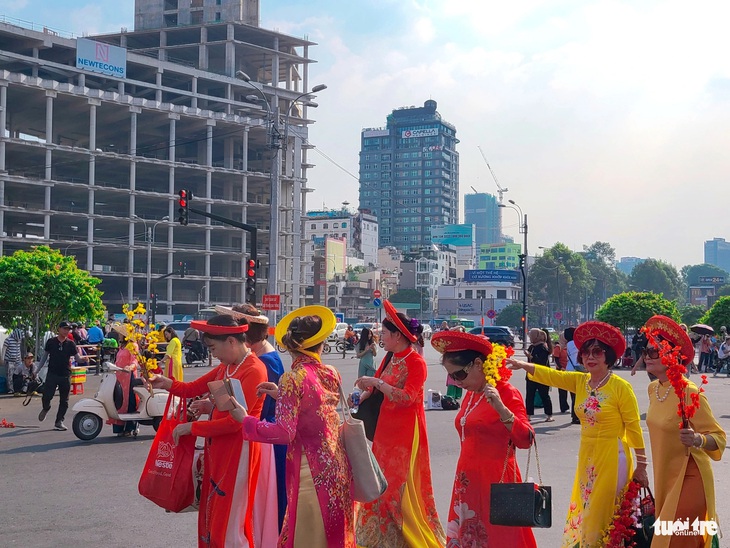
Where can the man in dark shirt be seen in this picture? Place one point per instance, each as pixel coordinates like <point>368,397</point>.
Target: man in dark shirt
<point>59,351</point>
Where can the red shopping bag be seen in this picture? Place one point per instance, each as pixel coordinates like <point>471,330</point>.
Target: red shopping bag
<point>166,479</point>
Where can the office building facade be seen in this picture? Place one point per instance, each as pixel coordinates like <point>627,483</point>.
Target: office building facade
<point>91,162</point>
<point>482,210</point>
<point>717,252</point>
<point>409,175</point>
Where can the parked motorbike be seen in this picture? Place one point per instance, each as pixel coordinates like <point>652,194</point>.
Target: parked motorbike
<point>343,346</point>
<point>194,352</point>
<point>92,413</point>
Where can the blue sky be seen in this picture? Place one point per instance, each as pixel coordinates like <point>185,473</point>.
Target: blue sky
<point>606,119</point>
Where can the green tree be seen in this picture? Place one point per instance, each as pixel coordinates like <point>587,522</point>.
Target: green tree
<point>657,276</point>
<point>510,316</point>
<point>724,291</point>
<point>691,273</point>
<point>691,313</point>
<point>718,315</point>
<point>41,287</point>
<point>560,279</point>
<point>608,280</point>
<point>632,309</point>
<point>405,296</point>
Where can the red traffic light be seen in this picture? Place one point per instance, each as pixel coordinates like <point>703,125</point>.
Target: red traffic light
<point>183,194</point>
<point>251,273</point>
<point>183,202</point>
<point>251,263</point>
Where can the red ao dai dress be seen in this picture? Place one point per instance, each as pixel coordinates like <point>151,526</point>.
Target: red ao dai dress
<point>484,443</point>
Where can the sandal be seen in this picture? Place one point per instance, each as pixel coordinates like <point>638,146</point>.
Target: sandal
<point>549,419</point>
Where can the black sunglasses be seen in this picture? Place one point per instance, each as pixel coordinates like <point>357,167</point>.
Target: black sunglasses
<point>651,352</point>
<point>462,373</point>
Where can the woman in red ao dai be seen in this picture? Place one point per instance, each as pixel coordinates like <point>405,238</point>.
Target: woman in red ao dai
<point>490,418</point>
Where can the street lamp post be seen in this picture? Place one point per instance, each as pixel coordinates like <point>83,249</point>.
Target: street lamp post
<point>150,237</point>
<point>275,144</point>
<point>523,267</point>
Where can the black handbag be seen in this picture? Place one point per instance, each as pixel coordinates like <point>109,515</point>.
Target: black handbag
<point>369,409</point>
<point>368,412</point>
<point>644,534</point>
<point>523,504</point>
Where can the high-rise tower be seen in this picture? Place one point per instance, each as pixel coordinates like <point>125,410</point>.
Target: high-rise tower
<point>409,175</point>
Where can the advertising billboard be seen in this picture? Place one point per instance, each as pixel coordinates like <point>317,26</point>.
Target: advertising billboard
<point>417,133</point>
<point>102,58</point>
<point>456,235</point>
<point>491,276</point>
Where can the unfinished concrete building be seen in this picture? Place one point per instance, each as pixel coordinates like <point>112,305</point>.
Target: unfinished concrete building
<point>92,163</point>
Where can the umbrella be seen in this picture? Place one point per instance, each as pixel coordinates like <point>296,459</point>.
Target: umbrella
<point>702,329</point>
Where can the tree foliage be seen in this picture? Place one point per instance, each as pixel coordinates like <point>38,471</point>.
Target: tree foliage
<point>607,279</point>
<point>632,309</point>
<point>718,315</point>
<point>724,291</point>
<point>510,316</point>
<point>691,273</point>
<point>657,276</point>
<point>561,277</point>
<point>691,313</point>
<point>406,296</point>
<point>43,286</point>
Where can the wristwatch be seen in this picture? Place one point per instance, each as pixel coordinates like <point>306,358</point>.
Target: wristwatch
<point>381,382</point>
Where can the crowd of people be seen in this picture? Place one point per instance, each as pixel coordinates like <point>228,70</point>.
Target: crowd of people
<point>276,471</point>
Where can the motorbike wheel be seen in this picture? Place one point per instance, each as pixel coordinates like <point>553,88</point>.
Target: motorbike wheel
<point>326,349</point>
<point>341,346</point>
<point>280,348</point>
<point>156,423</point>
<point>190,357</point>
<point>87,426</point>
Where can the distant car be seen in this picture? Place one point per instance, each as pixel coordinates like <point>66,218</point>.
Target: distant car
<point>496,333</point>
<point>427,331</point>
<point>339,332</point>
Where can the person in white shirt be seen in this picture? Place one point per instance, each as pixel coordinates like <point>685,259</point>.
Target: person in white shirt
<point>723,356</point>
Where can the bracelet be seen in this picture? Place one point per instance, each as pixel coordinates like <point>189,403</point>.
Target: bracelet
<point>703,441</point>
<point>508,420</point>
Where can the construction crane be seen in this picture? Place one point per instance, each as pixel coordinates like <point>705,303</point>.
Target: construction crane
<point>500,190</point>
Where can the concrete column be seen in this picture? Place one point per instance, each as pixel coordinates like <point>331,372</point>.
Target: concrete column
<point>296,228</point>
<point>208,193</point>
<point>34,69</point>
<point>171,144</point>
<point>50,95</point>
<point>81,81</point>
<point>244,155</point>
<point>130,262</point>
<point>158,82</point>
<point>203,49</point>
<point>275,64</point>
<point>162,52</point>
<point>3,124</point>
<point>194,90</point>
<point>230,61</point>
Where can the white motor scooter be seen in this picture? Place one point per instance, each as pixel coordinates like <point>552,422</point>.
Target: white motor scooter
<point>91,414</point>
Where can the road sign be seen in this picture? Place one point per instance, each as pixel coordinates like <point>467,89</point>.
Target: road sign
<point>558,315</point>
<point>271,302</point>
<point>377,294</point>
<point>491,314</point>
<point>377,302</point>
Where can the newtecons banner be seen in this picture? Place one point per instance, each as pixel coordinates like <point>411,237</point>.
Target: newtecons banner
<point>102,58</point>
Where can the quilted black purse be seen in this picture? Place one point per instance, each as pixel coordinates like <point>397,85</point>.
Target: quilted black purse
<point>523,504</point>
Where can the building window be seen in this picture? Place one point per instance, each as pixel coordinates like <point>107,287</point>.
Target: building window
<point>481,293</point>
<point>335,225</point>
<point>325,225</point>
<point>469,294</point>
<point>314,226</point>
<point>501,293</point>
<point>217,16</point>
<point>344,235</point>
<point>344,225</point>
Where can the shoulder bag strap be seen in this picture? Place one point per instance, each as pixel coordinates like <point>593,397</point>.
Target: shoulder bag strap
<point>343,404</point>
<point>533,437</point>
<point>510,449</point>
<point>386,361</point>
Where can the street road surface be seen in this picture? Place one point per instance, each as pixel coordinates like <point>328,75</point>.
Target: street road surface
<point>58,491</point>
